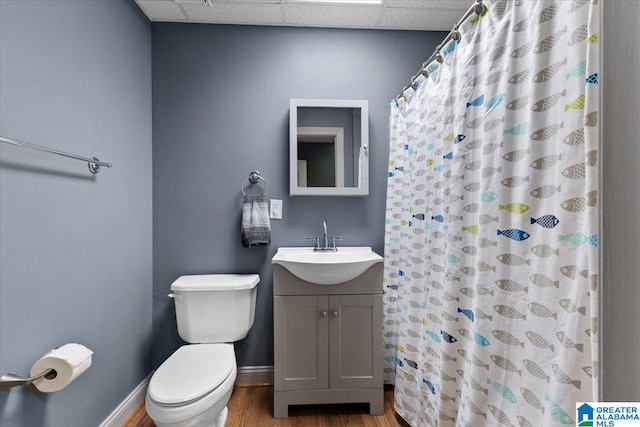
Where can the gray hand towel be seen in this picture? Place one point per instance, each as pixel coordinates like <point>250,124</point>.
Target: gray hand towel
<point>256,227</point>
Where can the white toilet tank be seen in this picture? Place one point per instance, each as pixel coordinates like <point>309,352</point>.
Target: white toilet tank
<point>215,308</point>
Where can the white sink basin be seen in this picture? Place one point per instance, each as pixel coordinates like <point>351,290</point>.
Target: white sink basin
<point>326,268</point>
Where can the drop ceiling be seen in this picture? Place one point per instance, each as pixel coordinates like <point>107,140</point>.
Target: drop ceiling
<point>389,15</point>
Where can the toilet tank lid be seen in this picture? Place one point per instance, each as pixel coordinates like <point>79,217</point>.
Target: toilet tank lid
<point>215,282</point>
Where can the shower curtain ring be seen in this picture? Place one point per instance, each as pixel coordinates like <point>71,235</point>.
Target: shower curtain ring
<point>455,34</point>
<point>479,7</point>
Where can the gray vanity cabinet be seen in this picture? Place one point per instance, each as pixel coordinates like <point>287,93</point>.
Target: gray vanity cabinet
<point>328,341</point>
<point>302,334</point>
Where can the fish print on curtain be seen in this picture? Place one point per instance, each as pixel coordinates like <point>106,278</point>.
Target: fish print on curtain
<point>491,236</point>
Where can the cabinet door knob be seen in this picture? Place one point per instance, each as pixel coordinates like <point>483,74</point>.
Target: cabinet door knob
<point>323,314</point>
<point>334,314</point>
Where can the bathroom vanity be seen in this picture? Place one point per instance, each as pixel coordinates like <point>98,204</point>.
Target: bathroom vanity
<point>328,337</point>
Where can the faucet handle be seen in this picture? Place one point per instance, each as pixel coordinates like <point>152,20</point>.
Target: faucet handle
<point>333,240</point>
<point>316,243</point>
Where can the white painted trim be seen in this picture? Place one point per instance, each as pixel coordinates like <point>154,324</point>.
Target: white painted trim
<point>302,173</point>
<point>128,405</point>
<point>254,375</point>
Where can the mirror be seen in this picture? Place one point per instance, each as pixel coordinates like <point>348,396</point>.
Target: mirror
<point>328,147</point>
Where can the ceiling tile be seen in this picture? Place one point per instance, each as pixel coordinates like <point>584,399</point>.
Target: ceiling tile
<point>392,14</point>
<point>245,1</point>
<point>336,16</point>
<point>240,13</point>
<point>461,5</point>
<point>412,19</point>
<point>160,10</point>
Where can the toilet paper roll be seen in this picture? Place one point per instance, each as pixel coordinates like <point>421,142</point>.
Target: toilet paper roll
<point>68,362</point>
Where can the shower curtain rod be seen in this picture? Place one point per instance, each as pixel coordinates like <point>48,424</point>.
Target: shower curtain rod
<point>478,8</point>
<point>93,163</point>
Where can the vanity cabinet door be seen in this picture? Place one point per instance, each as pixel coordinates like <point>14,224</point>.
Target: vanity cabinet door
<point>355,331</point>
<point>301,326</point>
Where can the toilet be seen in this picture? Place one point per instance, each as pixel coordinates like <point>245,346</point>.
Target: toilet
<point>193,386</point>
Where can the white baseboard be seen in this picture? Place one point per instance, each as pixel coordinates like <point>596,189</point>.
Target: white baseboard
<point>246,375</point>
<point>128,405</point>
<point>254,375</point>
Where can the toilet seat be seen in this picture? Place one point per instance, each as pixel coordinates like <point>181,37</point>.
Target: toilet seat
<point>191,372</point>
<point>194,379</point>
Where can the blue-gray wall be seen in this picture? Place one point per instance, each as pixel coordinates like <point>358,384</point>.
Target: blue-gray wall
<point>220,110</point>
<point>75,250</point>
<point>620,201</point>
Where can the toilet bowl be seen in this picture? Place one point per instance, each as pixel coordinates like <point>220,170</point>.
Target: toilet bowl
<point>193,386</point>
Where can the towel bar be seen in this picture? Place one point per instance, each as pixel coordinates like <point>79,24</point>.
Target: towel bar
<point>93,163</point>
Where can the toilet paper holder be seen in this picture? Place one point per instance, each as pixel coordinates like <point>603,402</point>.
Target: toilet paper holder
<point>11,380</point>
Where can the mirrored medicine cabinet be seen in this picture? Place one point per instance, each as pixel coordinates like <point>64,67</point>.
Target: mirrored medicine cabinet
<point>328,147</point>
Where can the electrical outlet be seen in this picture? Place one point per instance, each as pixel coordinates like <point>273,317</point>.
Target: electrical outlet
<point>276,209</point>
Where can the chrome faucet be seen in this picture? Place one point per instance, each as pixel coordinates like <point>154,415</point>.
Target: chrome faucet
<point>325,238</point>
<point>325,246</point>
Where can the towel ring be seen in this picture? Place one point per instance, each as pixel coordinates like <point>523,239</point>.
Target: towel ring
<point>254,177</point>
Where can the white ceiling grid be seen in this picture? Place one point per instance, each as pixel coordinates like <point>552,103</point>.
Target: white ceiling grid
<point>390,15</point>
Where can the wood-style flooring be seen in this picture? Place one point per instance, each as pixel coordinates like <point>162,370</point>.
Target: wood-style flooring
<point>253,407</point>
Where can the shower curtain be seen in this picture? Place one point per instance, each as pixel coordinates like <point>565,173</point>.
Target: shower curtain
<point>491,236</point>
